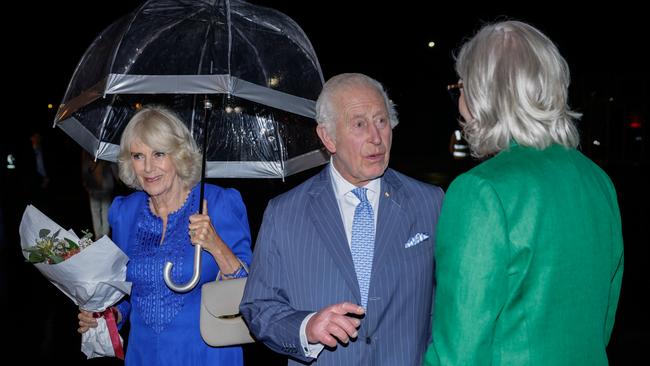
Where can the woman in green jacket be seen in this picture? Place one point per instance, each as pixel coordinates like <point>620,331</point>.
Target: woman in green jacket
<point>529,252</point>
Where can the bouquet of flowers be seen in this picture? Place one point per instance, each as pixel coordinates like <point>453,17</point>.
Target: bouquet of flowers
<point>92,274</point>
<point>52,250</point>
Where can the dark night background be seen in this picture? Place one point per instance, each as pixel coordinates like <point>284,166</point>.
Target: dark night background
<point>605,46</point>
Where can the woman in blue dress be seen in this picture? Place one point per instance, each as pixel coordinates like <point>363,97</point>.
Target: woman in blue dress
<point>159,223</point>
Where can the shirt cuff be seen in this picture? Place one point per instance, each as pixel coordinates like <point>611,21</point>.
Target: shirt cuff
<point>310,350</point>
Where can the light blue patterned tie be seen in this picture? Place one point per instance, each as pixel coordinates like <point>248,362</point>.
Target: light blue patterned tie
<point>363,242</point>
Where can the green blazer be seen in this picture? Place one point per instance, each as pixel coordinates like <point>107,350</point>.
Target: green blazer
<point>529,262</point>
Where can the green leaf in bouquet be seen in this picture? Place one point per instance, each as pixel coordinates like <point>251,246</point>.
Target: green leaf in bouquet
<point>56,259</point>
<point>35,257</point>
<point>43,233</point>
<point>71,244</point>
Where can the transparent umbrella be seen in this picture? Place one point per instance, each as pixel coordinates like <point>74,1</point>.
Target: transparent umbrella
<point>254,66</point>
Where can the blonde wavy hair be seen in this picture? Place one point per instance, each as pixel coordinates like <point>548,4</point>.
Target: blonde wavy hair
<point>162,130</point>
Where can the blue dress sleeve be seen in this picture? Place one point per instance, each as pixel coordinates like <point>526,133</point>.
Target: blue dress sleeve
<point>228,214</point>
<point>119,237</point>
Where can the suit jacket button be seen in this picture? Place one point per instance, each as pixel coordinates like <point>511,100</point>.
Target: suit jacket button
<point>368,340</point>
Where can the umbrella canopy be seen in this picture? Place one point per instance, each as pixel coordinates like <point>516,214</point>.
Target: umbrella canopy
<point>255,65</point>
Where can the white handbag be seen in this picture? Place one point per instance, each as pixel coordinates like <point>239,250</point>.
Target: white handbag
<point>221,322</point>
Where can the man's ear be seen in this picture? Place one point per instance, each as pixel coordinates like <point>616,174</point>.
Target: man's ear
<point>328,141</point>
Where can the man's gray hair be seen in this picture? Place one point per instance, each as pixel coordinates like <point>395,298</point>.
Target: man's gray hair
<point>326,111</point>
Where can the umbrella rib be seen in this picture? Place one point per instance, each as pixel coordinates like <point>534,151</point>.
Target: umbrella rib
<point>257,55</point>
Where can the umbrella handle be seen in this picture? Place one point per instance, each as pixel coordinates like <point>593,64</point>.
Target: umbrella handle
<point>196,274</point>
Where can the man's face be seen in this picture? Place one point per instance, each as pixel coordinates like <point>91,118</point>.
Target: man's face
<point>361,145</point>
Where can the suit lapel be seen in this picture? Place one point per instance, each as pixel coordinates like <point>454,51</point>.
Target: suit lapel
<point>326,216</point>
<point>392,217</point>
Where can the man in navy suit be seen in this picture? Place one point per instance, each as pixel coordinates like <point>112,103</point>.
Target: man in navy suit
<point>312,294</point>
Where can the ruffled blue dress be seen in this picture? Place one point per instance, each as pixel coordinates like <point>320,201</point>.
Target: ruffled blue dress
<point>164,325</point>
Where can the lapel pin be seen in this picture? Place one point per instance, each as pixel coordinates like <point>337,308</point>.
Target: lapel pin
<point>386,194</point>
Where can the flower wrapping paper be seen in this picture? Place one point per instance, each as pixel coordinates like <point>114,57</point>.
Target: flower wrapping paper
<point>94,278</point>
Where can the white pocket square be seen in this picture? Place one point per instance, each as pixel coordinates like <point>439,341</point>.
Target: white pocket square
<point>416,239</point>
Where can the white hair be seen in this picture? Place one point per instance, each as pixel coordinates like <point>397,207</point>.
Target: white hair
<point>326,111</point>
<point>515,84</point>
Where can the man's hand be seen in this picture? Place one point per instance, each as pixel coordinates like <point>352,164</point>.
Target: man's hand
<point>333,321</point>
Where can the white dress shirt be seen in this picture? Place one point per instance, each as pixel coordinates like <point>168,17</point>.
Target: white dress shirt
<point>348,201</point>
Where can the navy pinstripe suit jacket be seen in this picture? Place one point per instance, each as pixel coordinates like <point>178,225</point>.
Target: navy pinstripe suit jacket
<point>302,263</point>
